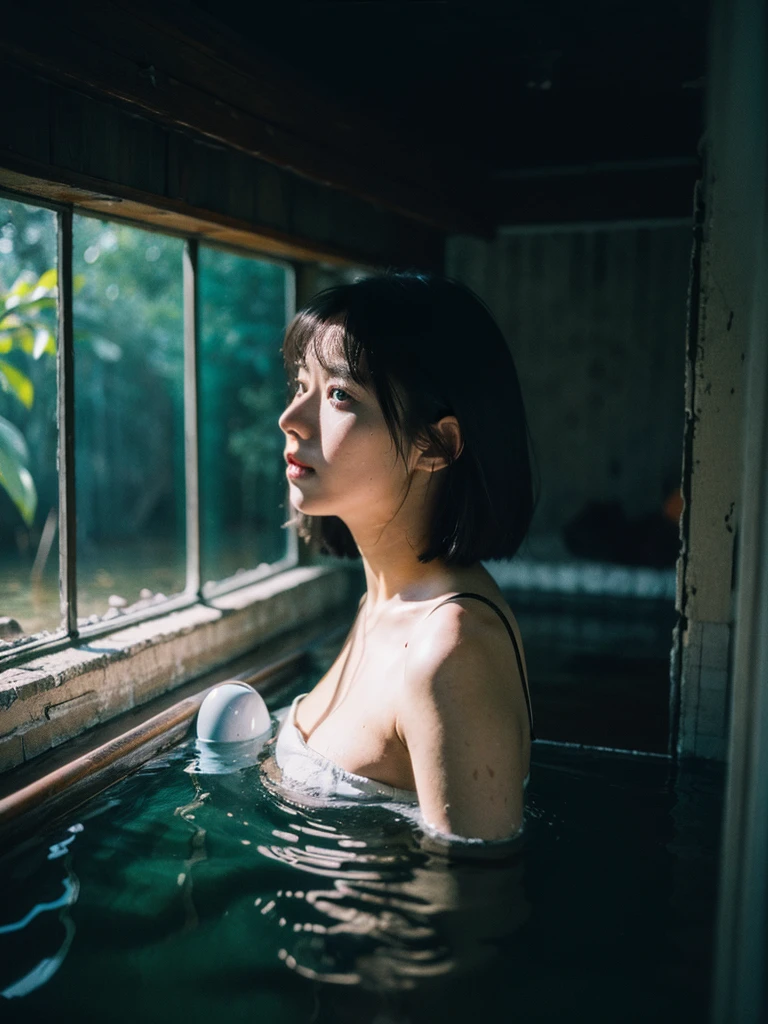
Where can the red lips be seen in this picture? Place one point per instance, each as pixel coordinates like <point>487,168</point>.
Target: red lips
<point>291,459</point>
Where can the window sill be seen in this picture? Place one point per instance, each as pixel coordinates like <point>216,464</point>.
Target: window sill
<point>59,695</point>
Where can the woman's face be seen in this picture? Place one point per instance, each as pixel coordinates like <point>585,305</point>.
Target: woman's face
<point>337,427</point>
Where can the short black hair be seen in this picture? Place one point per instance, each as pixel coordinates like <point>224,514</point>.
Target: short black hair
<point>427,347</point>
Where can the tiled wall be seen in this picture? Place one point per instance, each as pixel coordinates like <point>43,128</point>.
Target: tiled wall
<point>705,693</point>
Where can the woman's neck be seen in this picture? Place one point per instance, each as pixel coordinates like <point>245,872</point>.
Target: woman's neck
<point>396,576</point>
<point>389,545</point>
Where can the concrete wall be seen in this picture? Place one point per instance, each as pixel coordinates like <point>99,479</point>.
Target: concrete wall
<point>595,317</point>
<point>630,345</point>
<point>735,303</point>
<point>727,212</point>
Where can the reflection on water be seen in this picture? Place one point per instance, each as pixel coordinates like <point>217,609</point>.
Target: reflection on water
<point>47,967</point>
<point>204,895</point>
<point>366,905</point>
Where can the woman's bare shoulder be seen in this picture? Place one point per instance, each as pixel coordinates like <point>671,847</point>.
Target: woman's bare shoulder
<point>487,624</point>
<point>454,620</point>
<point>459,719</point>
<point>464,634</point>
<point>459,659</point>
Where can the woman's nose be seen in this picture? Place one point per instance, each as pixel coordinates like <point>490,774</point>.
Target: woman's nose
<point>296,418</point>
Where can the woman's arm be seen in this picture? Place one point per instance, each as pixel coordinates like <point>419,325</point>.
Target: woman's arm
<point>458,715</point>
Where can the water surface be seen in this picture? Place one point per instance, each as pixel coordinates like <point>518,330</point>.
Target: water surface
<point>176,896</point>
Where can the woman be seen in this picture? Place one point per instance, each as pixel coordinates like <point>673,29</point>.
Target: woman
<point>406,444</point>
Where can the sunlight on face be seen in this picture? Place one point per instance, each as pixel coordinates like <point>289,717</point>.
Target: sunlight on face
<point>337,427</point>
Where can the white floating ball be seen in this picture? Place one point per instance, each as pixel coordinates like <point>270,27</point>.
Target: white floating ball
<point>231,713</point>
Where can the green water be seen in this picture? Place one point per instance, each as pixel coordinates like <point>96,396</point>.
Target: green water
<point>175,897</point>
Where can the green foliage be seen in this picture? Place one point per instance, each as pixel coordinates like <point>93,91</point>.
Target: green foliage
<point>129,309</point>
<point>241,360</point>
<point>258,445</point>
<point>25,326</point>
<point>28,299</point>
<point>27,310</point>
<point>15,478</point>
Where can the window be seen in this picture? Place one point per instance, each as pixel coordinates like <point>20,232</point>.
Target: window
<point>29,489</point>
<point>165,356</point>
<point>242,315</point>
<point>128,319</point>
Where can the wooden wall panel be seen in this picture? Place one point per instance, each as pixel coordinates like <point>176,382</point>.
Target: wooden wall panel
<point>312,215</point>
<point>175,70</point>
<point>73,147</point>
<point>104,141</point>
<point>25,131</point>
<point>273,196</point>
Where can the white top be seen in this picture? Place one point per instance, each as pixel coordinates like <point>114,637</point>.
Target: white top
<point>312,772</point>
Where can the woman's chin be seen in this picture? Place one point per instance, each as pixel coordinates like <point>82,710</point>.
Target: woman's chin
<point>299,488</point>
<point>303,503</point>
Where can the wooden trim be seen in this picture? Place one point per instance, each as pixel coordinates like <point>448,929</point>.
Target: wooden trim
<point>97,681</point>
<point>120,202</point>
<point>82,777</point>
<point>105,765</point>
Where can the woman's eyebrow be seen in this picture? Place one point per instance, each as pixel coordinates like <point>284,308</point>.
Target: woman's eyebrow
<point>339,370</point>
<point>333,370</point>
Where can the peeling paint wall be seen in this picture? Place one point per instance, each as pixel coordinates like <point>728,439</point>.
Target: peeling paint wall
<point>714,409</point>
<point>721,284</point>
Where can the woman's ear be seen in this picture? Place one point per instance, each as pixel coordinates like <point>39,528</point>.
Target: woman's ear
<point>431,458</point>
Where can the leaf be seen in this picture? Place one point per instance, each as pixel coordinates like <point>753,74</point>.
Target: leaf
<point>44,342</point>
<point>33,305</point>
<point>15,478</point>
<point>18,383</point>
<point>49,279</point>
<point>24,339</point>
<point>23,284</point>
<point>12,439</point>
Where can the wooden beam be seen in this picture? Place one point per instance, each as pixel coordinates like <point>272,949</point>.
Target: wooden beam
<point>168,63</point>
<point>177,217</point>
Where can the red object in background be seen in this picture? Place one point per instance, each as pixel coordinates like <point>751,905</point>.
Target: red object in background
<point>673,506</point>
<point>602,531</point>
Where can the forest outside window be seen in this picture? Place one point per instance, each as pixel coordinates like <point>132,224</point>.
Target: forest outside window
<point>174,383</point>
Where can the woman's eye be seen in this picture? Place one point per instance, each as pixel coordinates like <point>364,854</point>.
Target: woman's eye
<point>341,391</point>
<point>338,395</point>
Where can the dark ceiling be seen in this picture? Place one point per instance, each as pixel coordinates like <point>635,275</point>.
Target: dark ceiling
<point>517,87</point>
<point>463,116</point>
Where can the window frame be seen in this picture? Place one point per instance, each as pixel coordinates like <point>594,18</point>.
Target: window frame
<point>196,591</point>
